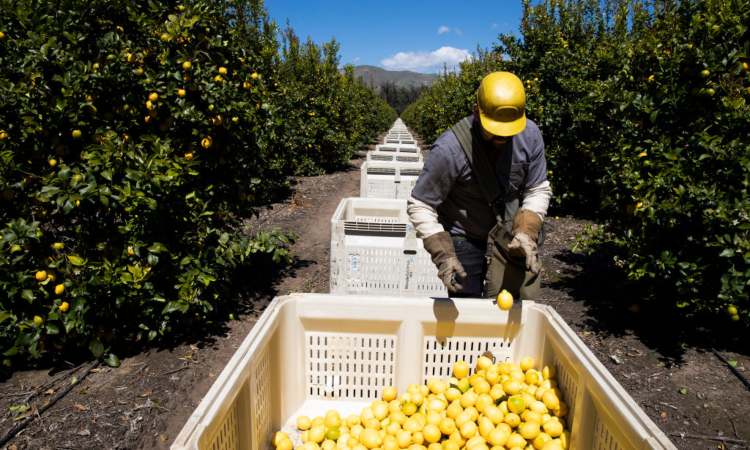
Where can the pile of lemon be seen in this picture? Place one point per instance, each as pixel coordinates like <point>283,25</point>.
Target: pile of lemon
<point>500,406</point>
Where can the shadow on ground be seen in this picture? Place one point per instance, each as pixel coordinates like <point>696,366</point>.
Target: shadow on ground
<point>617,307</point>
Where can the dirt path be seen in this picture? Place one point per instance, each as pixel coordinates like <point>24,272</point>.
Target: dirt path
<point>683,387</point>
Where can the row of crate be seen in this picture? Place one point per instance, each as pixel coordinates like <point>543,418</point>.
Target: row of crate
<point>310,353</point>
<point>374,247</point>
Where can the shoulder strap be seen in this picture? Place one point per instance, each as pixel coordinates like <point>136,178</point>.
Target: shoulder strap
<point>481,167</point>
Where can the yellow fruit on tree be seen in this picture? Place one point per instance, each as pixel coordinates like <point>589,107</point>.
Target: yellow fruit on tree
<point>64,306</point>
<point>504,300</point>
<point>223,70</point>
<point>153,96</point>
<point>76,134</point>
<point>3,135</point>
<point>59,289</point>
<point>246,85</point>
<point>2,35</point>
<point>181,92</point>
<point>218,79</point>
<point>58,245</point>
<point>206,142</point>
<point>38,321</point>
<point>732,310</point>
<point>40,275</point>
<point>255,75</point>
<point>186,65</point>
<point>52,162</point>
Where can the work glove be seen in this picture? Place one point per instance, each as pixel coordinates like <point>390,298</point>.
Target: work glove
<point>450,270</point>
<point>526,227</point>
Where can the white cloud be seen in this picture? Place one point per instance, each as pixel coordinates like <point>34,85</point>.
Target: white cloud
<point>458,31</point>
<point>444,29</point>
<point>427,61</point>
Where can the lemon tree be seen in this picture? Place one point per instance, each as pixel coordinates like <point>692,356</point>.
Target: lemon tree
<point>644,108</point>
<point>135,137</point>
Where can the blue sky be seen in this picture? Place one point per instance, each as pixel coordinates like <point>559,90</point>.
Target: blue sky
<point>401,35</point>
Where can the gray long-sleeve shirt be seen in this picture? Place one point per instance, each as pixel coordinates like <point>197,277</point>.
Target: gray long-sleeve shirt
<point>448,184</point>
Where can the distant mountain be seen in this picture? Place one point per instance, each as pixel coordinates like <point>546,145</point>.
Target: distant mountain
<point>376,77</point>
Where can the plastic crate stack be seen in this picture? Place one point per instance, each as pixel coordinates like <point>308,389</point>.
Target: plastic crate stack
<point>374,248</point>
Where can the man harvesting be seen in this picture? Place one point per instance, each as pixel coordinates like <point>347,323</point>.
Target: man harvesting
<point>483,194</point>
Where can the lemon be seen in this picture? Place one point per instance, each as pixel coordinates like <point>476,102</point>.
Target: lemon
<point>436,386</point>
<point>59,289</point>
<point>403,438</point>
<point>552,445</point>
<point>246,85</point>
<point>222,70</point>
<point>2,35</point>
<point>186,65</point>
<point>3,135</point>
<point>515,440</point>
<point>317,433</point>
<point>452,394</point>
<point>181,92</point>
<point>380,410</point>
<point>390,393</point>
<point>463,385</point>
<point>461,369</point>
<point>447,426</point>
<point>450,445</point>
<point>40,275</point>
<point>38,321</point>
<point>469,398</point>
<point>431,433</point>
<point>332,420</point>
<point>485,427</point>
<point>189,156</point>
<point>255,75</point>
<point>58,245</point>
<point>497,392</point>
<point>76,134</point>
<point>64,306</point>
<point>328,444</point>
<point>550,400</point>
<point>548,372</point>
<point>468,430</point>
<point>512,387</point>
<point>409,408</point>
<point>529,430</point>
<point>482,387</point>
<point>732,310</point>
<point>527,363</point>
<point>207,142</point>
<point>540,440</point>
<point>516,404</point>
<point>333,433</point>
<point>483,363</point>
<point>512,419</point>
<point>553,428</point>
<point>153,96</point>
<point>286,444</point>
<point>435,446</point>
<point>504,300</point>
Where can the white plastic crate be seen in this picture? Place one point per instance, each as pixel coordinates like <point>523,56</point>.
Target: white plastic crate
<point>397,148</point>
<point>398,141</point>
<point>388,179</point>
<point>374,249</point>
<point>309,353</point>
<point>394,157</point>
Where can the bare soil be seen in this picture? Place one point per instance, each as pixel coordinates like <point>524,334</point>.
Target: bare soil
<point>676,379</point>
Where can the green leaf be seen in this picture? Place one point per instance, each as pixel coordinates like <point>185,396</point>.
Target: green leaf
<point>683,391</point>
<point>157,247</point>
<point>52,328</point>
<point>28,295</point>
<point>96,347</point>
<point>5,315</point>
<point>112,360</point>
<point>76,260</point>
<point>732,362</point>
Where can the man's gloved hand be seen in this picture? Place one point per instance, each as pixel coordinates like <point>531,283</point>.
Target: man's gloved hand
<point>523,246</point>
<point>450,270</point>
<point>526,227</point>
